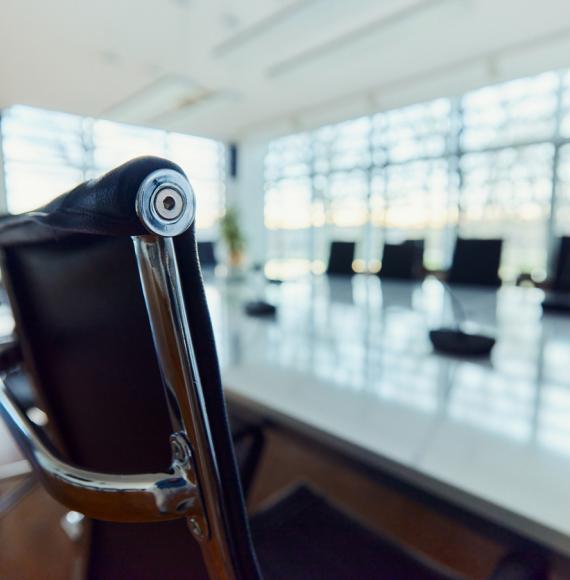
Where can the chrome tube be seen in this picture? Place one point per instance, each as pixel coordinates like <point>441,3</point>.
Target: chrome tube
<point>165,206</point>
<point>145,497</point>
<point>160,280</point>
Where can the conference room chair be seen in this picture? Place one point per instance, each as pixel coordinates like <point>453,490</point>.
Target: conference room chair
<point>561,279</point>
<point>476,262</point>
<point>402,261</point>
<point>341,257</point>
<point>557,295</point>
<point>114,329</point>
<point>207,254</point>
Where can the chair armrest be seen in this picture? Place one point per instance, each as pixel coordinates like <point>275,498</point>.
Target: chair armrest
<point>145,497</point>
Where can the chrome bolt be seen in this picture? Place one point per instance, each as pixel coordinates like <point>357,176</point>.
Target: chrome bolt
<point>195,527</point>
<point>177,451</point>
<point>180,451</point>
<point>168,203</point>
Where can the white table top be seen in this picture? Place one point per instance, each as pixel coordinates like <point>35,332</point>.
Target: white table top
<point>353,361</point>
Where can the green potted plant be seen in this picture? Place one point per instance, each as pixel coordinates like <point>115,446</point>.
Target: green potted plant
<point>233,238</point>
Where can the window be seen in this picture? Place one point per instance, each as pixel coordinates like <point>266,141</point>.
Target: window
<point>507,169</point>
<point>47,153</point>
<point>416,196</point>
<point>483,165</point>
<point>203,160</point>
<point>506,194</point>
<point>43,156</point>
<point>414,132</point>
<point>516,112</point>
<point>290,211</point>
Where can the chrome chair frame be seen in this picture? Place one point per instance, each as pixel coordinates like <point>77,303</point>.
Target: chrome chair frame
<point>192,489</point>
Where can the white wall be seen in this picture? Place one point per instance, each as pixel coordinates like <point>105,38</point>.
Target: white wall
<point>246,193</point>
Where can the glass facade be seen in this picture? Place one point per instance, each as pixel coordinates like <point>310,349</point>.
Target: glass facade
<point>47,153</point>
<point>492,163</point>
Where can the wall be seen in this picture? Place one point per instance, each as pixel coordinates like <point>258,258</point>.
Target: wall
<point>246,193</point>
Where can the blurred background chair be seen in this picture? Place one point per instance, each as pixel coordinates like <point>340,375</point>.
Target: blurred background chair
<point>207,254</point>
<point>561,280</point>
<point>476,262</point>
<point>557,295</point>
<point>402,261</point>
<point>341,257</point>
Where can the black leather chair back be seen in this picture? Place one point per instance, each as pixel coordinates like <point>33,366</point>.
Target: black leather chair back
<point>340,258</point>
<point>476,262</point>
<point>81,317</point>
<point>402,261</point>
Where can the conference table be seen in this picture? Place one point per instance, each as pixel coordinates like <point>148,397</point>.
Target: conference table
<point>349,362</point>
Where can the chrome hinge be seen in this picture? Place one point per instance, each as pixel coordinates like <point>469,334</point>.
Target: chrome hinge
<point>183,465</point>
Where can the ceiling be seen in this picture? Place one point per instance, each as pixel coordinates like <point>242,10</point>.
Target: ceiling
<point>229,69</point>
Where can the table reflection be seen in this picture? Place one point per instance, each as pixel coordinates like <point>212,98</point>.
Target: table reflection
<point>371,336</point>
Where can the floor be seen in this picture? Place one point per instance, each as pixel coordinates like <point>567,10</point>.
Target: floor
<point>33,545</point>
<point>287,462</point>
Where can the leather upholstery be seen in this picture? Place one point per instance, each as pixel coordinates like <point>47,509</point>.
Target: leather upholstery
<point>103,206</point>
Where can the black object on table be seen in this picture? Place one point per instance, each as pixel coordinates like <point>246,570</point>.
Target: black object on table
<point>458,342</point>
<point>260,308</point>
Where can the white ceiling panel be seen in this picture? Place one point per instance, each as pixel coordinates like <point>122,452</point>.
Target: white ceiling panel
<point>229,69</point>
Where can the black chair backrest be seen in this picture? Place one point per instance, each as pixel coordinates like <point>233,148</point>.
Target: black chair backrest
<point>75,289</point>
<point>207,254</point>
<point>561,281</point>
<point>476,262</point>
<point>402,261</point>
<point>340,258</point>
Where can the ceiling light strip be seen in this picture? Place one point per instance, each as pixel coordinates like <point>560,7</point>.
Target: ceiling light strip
<point>261,27</point>
<point>342,41</point>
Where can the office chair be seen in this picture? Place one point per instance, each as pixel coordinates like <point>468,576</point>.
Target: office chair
<point>207,254</point>
<point>561,280</point>
<point>341,257</point>
<point>114,328</point>
<point>402,261</point>
<point>557,297</point>
<point>476,262</point>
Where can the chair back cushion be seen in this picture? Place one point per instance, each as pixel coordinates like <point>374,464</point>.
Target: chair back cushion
<point>402,261</point>
<point>476,262</point>
<point>340,258</point>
